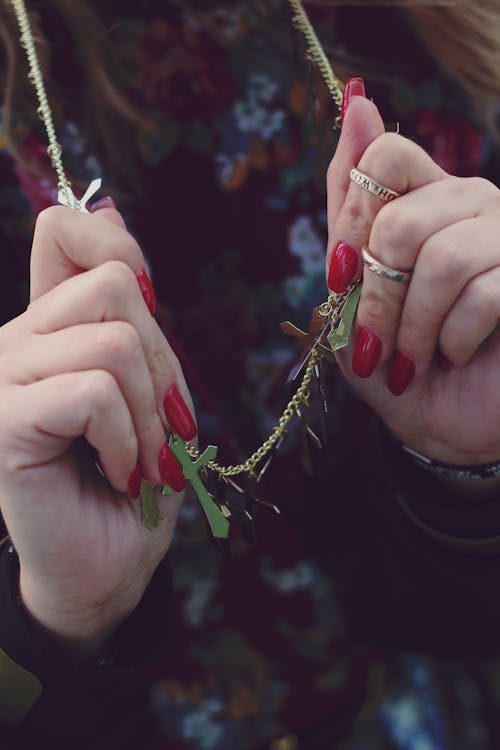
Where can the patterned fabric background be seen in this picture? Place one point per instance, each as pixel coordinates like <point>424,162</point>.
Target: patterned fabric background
<point>233,222</point>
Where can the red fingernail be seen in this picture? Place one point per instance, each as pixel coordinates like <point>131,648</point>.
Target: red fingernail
<point>106,202</point>
<point>353,87</point>
<point>134,483</point>
<point>366,353</point>
<point>444,363</point>
<point>343,264</point>
<point>401,373</point>
<point>148,292</point>
<point>170,471</point>
<point>178,415</point>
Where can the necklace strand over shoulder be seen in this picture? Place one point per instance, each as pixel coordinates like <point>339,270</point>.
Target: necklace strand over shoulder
<point>330,326</point>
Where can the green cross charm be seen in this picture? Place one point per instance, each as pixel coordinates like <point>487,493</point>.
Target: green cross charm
<point>338,337</point>
<point>219,525</point>
<point>150,510</point>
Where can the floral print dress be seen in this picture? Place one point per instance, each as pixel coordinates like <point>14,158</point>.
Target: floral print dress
<point>233,223</point>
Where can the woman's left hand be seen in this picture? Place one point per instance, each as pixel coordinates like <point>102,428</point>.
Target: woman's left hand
<point>447,229</point>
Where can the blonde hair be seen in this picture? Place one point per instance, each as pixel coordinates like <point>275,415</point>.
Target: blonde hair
<point>463,36</point>
<point>103,110</point>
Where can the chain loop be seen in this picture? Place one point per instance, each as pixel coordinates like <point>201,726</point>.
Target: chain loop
<point>44,112</point>
<point>329,309</point>
<point>301,396</point>
<point>316,52</point>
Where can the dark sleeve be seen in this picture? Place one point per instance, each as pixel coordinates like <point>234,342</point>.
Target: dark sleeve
<point>100,705</point>
<point>430,565</point>
<point>418,567</point>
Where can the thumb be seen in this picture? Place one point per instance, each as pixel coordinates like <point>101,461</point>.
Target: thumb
<point>106,208</point>
<point>361,124</point>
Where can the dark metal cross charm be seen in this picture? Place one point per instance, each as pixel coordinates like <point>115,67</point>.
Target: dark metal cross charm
<point>317,327</point>
<point>308,339</point>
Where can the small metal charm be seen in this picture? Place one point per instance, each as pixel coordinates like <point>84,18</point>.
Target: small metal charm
<point>150,510</point>
<point>392,127</point>
<point>239,502</point>
<point>270,457</point>
<point>323,402</point>
<point>66,196</point>
<point>247,491</point>
<point>338,337</point>
<point>318,326</point>
<point>307,436</point>
<point>242,535</point>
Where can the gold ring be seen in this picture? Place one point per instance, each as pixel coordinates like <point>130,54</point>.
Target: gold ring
<point>402,276</point>
<point>373,187</point>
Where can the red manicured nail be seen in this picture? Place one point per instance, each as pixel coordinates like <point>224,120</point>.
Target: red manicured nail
<point>444,363</point>
<point>178,415</point>
<point>134,483</point>
<point>147,290</point>
<point>106,202</point>
<point>343,264</point>
<point>353,87</point>
<point>366,353</point>
<point>170,471</point>
<point>401,373</point>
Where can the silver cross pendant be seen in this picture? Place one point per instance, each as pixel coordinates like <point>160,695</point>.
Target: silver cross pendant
<point>66,196</point>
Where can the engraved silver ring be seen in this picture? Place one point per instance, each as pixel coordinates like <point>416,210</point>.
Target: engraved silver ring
<point>402,276</point>
<point>373,187</point>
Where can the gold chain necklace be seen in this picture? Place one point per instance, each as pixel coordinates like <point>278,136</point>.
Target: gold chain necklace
<point>316,52</point>
<point>331,321</point>
<point>65,193</point>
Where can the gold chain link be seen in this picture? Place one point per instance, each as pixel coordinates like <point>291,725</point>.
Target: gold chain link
<point>317,53</point>
<point>44,112</point>
<point>301,396</point>
<point>331,308</point>
<point>334,302</point>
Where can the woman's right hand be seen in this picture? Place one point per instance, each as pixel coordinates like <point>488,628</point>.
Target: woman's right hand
<point>84,374</point>
<point>425,353</point>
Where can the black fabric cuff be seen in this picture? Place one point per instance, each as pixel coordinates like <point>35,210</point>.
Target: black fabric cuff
<point>422,593</point>
<point>83,704</point>
<point>436,506</point>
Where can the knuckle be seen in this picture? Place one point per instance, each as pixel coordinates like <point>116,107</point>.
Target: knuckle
<point>383,159</point>
<point>484,187</point>
<point>390,231</point>
<point>116,280</point>
<point>102,391</point>
<point>120,342</point>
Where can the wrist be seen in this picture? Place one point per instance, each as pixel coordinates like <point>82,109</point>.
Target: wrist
<point>476,479</point>
<point>461,515</point>
<point>75,697</point>
<point>81,629</point>
<point>445,452</point>
<point>462,474</point>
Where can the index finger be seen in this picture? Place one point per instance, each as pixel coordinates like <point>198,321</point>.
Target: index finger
<point>399,164</point>
<point>67,242</point>
<point>362,124</point>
